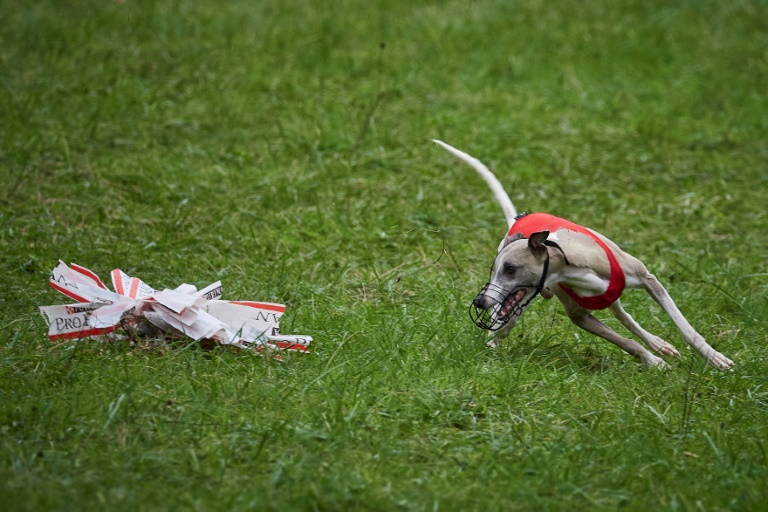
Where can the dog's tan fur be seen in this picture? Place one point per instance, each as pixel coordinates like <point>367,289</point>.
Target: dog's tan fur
<point>587,273</point>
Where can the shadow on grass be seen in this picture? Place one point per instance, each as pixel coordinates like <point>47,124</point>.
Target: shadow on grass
<point>549,353</point>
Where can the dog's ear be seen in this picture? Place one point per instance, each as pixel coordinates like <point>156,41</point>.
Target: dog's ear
<point>511,238</point>
<point>536,242</point>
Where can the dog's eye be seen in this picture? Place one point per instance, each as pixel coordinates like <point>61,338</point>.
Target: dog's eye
<point>509,270</point>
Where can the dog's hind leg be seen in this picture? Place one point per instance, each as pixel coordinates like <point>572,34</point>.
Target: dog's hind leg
<point>693,338</point>
<point>584,319</point>
<point>655,343</point>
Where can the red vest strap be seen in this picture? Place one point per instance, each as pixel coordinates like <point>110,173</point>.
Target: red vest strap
<point>535,222</point>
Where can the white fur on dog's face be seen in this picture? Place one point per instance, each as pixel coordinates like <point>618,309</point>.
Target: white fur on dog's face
<point>516,273</point>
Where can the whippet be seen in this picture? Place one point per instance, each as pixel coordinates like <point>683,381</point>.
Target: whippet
<point>547,255</point>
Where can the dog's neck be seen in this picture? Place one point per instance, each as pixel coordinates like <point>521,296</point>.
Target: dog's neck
<point>582,280</point>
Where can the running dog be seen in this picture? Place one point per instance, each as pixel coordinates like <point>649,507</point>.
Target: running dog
<point>547,255</point>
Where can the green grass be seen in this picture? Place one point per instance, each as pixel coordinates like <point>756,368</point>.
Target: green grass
<point>283,147</point>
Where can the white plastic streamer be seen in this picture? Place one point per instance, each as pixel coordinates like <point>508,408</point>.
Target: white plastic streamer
<point>183,311</point>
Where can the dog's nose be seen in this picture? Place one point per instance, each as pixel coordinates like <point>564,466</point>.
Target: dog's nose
<point>481,302</point>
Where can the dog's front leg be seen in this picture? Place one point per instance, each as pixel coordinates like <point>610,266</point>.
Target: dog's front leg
<point>693,338</point>
<point>584,319</point>
<point>498,336</point>
<point>591,324</point>
<point>654,342</point>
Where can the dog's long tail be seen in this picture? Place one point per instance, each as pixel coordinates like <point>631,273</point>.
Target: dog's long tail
<point>498,190</point>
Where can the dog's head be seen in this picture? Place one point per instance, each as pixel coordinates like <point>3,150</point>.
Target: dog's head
<point>517,276</point>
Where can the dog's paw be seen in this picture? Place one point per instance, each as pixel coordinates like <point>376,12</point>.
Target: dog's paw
<point>720,362</point>
<point>655,362</point>
<point>660,346</point>
<point>491,344</point>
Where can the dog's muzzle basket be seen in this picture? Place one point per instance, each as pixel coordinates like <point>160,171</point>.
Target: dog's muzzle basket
<point>497,315</point>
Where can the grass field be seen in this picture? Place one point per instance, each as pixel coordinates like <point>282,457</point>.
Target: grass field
<point>284,148</point>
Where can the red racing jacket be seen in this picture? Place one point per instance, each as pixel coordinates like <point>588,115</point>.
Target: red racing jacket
<point>527,224</point>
